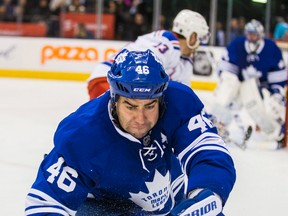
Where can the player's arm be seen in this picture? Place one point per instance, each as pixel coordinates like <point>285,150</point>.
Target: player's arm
<point>229,61</point>
<point>277,74</point>
<point>229,83</point>
<point>166,46</point>
<point>205,158</point>
<point>207,163</point>
<point>97,82</point>
<point>274,95</point>
<point>227,89</point>
<point>183,71</point>
<point>97,87</point>
<point>58,189</point>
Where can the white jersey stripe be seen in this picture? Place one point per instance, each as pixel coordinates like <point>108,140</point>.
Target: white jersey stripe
<point>197,141</point>
<point>47,201</point>
<point>44,209</point>
<point>277,76</point>
<point>213,147</point>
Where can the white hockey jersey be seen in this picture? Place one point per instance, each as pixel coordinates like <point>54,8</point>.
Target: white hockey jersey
<point>166,46</point>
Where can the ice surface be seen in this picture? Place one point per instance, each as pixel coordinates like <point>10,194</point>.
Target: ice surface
<point>30,111</point>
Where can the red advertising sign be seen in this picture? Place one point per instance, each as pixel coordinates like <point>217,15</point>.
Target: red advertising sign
<point>70,22</point>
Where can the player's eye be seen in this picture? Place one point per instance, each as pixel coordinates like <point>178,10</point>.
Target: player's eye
<point>130,107</point>
<point>149,107</point>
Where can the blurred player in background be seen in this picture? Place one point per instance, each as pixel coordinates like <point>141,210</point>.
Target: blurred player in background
<point>253,76</point>
<point>173,48</point>
<point>145,147</point>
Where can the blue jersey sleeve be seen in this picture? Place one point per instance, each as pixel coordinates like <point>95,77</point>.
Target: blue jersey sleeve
<point>230,61</point>
<point>65,176</point>
<point>277,73</point>
<point>201,151</point>
<point>59,189</point>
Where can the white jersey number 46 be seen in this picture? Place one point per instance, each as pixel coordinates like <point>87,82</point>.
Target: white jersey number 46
<point>63,176</point>
<point>200,121</point>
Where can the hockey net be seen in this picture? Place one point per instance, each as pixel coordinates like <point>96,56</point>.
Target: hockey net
<point>284,47</point>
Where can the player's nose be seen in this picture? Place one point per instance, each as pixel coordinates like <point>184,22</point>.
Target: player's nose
<point>140,116</point>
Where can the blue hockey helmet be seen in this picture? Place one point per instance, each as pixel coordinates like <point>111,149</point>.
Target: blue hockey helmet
<point>137,75</point>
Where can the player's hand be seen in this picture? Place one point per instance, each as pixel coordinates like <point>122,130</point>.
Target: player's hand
<point>205,203</point>
<point>278,94</point>
<point>277,107</point>
<point>274,105</point>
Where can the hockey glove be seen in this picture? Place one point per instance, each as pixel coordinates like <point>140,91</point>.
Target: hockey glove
<point>205,203</point>
<point>274,105</point>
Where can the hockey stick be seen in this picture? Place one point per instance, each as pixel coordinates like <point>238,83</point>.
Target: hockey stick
<point>248,133</point>
<point>242,145</point>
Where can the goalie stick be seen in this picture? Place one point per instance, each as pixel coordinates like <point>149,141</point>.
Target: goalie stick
<point>225,134</point>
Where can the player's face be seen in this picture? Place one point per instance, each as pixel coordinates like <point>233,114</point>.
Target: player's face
<point>185,50</point>
<point>136,116</point>
<point>252,37</point>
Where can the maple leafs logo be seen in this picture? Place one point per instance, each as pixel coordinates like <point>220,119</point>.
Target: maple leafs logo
<point>251,72</point>
<point>158,193</point>
<point>121,57</point>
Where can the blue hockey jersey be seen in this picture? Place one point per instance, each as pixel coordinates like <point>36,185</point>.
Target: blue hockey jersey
<point>266,63</point>
<point>93,156</point>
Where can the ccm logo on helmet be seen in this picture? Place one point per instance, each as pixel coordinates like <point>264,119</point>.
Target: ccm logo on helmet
<point>141,89</point>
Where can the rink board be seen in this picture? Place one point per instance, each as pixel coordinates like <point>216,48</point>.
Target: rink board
<point>68,59</point>
<point>74,59</point>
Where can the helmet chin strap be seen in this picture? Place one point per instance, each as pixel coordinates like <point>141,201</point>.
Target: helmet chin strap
<point>195,46</point>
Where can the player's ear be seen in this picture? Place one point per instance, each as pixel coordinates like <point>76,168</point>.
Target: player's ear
<point>193,39</point>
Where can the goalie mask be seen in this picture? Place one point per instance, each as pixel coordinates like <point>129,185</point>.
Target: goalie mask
<point>187,22</point>
<point>254,32</point>
<point>137,75</point>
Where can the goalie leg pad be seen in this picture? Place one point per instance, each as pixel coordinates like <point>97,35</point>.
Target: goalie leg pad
<point>253,103</point>
<point>227,89</point>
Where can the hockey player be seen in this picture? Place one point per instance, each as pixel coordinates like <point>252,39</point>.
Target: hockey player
<point>173,48</point>
<point>143,148</point>
<point>253,76</point>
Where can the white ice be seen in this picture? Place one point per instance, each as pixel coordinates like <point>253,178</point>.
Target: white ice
<point>30,111</point>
